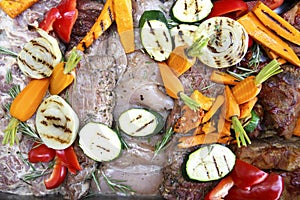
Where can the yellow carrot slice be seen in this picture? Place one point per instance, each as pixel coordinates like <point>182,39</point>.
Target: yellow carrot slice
<point>297,128</point>
<point>123,14</point>
<point>276,23</point>
<point>267,38</point>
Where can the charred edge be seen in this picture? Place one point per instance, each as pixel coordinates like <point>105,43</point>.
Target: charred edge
<point>36,43</point>
<point>145,125</point>
<point>277,22</point>
<point>229,59</point>
<point>216,166</point>
<point>103,136</point>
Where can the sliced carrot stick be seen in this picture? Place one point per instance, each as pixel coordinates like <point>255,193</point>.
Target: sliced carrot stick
<point>214,108</point>
<point>209,127</point>
<point>231,105</point>
<point>102,23</point>
<point>276,23</point>
<point>247,107</point>
<point>123,13</point>
<point>223,78</point>
<point>267,38</point>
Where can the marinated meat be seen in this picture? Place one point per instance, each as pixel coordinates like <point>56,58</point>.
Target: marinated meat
<point>88,12</point>
<point>280,98</point>
<point>272,153</point>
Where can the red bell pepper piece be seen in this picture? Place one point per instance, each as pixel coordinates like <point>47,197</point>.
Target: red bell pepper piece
<point>221,190</point>
<point>40,153</point>
<point>61,19</point>
<point>66,6</point>
<point>229,8</point>
<point>271,188</point>
<point>63,26</point>
<point>246,175</point>
<point>52,15</point>
<point>69,159</point>
<point>58,175</point>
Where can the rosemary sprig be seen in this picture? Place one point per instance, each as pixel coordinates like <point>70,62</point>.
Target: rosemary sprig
<point>34,174</point>
<point>8,52</point>
<point>165,139</point>
<point>117,185</point>
<point>123,142</point>
<point>14,91</point>
<point>8,77</point>
<point>256,56</point>
<point>26,129</point>
<point>94,176</point>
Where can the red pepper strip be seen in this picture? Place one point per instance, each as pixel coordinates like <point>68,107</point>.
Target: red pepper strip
<point>233,8</point>
<point>63,26</point>
<point>40,153</point>
<point>52,15</point>
<point>66,6</point>
<point>273,4</point>
<point>58,175</point>
<point>246,175</point>
<point>221,190</point>
<point>69,159</point>
<point>271,189</point>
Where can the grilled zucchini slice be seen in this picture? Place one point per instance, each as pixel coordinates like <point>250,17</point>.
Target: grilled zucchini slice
<point>155,35</point>
<point>140,122</point>
<point>211,162</point>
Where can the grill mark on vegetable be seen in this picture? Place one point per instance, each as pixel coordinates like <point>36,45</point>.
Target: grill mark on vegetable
<point>36,43</point>
<point>145,126</point>
<point>277,22</point>
<point>185,6</point>
<point>110,14</point>
<point>100,147</point>
<point>216,166</point>
<point>103,136</point>
<point>38,60</point>
<point>226,162</point>
<point>135,119</point>
<point>64,128</point>
<point>58,139</point>
<point>150,26</point>
<point>205,167</point>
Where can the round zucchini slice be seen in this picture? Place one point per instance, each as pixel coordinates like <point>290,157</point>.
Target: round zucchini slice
<point>139,122</point>
<point>211,162</point>
<point>99,142</point>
